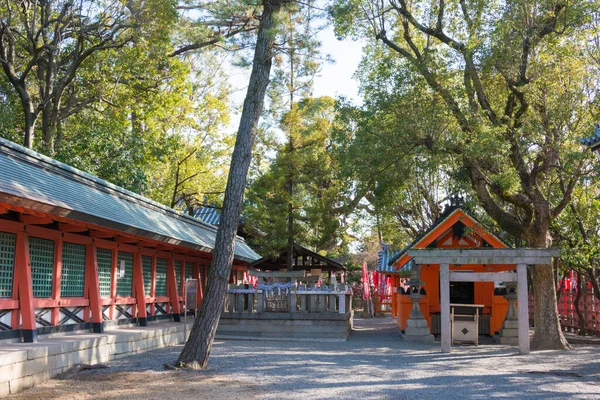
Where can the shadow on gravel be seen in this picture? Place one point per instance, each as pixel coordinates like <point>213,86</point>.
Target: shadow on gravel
<point>373,364</point>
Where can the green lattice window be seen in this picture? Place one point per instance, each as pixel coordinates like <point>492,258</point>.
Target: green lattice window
<point>240,277</point>
<point>147,269</point>
<point>7,263</point>
<point>189,270</point>
<point>161,276</point>
<point>178,265</point>
<point>41,254</point>
<point>124,273</point>
<point>72,276</point>
<point>104,258</point>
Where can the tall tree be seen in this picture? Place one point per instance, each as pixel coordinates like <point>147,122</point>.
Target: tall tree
<point>295,68</point>
<point>196,351</point>
<point>43,45</point>
<point>319,188</point>
<point>513,76</point>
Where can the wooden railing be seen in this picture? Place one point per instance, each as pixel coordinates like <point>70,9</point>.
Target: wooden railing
<point>384,304</point>
<point>589,306</point>
<point>301,299</point>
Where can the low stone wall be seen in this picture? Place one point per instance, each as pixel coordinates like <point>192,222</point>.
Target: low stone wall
<point>285,326</point>
<point>23,365</point>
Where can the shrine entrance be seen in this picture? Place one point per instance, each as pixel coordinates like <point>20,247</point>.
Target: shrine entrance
<point>519,257</point>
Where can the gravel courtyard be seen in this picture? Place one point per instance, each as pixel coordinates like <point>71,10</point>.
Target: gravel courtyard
<point>373,364</point>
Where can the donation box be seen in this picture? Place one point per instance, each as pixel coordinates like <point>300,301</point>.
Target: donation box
<point>465,322</point>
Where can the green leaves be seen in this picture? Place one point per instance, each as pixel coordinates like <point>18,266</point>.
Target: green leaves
<point>312,168</point>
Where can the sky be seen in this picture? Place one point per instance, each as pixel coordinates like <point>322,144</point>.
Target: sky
<point>335,79</point>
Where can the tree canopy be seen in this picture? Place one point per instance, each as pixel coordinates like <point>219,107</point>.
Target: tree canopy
<point>485,99</point>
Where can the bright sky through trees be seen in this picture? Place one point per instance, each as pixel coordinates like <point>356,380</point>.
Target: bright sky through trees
<point>335,79</point>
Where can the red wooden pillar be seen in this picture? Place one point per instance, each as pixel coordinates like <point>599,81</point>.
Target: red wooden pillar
<point>113,283</point>
<point>138,285</point>
<point>153,285</point>
<point>198,284</point>
<point>205,274</point>
<point>233,273</point>
<point>181,283</point>
<point>25,285</point>
<point>394,296</point>
<point>92,283</point>
<point>15,320</point>
<point>57,274</point>
<point>173,293</point>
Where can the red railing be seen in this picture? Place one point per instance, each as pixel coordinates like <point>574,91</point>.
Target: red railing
<point>383,304</point>
<point>589,305</point>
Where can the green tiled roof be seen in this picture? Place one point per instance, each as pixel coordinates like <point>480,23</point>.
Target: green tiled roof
<point>592,141</point>
<point>44,184</point>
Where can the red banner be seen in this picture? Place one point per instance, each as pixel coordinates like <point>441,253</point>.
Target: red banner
<point>365,282</point>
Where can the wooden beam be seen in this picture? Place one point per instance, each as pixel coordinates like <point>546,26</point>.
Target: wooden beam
<point>35,220</point>
<point>3,210</point>
<point>310,278</point>
<point>458,276</point>
<point>144,243</point>
<point>101,234</point>
<point>277,274</point>
<point>66,227</point>
<point>125,239</point>
<point>480,256</point>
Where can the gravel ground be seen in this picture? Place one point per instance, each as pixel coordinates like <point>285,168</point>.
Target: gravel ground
<point>373,364</point>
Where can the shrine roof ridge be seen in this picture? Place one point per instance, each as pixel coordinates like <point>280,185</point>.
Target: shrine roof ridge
<point>47,184</point>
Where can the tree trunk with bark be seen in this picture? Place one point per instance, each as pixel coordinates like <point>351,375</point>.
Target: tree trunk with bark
<point>197,349</point>
<point>28,112</point>
<point>547,331</point>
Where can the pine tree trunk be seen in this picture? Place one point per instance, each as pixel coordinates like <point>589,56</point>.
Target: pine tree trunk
<point>196,351</point>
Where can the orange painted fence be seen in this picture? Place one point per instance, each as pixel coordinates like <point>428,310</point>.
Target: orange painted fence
<point>589,306</point>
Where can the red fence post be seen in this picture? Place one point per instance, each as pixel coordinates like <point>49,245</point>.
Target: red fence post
<point>138,285</point>
<point>25,284</point>
<point>92,284</point>
<point>56,278</point>
<point>173,293</point>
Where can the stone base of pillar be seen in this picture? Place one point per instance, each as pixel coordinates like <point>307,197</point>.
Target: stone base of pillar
<point>417,330</point>
<point>509,334</point>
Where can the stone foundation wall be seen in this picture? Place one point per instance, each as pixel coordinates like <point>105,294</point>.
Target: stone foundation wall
<point>25,365</point>
<point>285,326</point>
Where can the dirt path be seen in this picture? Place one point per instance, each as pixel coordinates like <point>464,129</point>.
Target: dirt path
<point>179,385</point>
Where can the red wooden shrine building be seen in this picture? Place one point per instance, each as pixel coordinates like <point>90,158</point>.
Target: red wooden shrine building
<point>77,252</point>
<point>453,230</point>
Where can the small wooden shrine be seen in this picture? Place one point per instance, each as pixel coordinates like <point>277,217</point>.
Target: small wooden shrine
<point>455,229</point>
<point>300,303</point>
<point>303,260</point>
